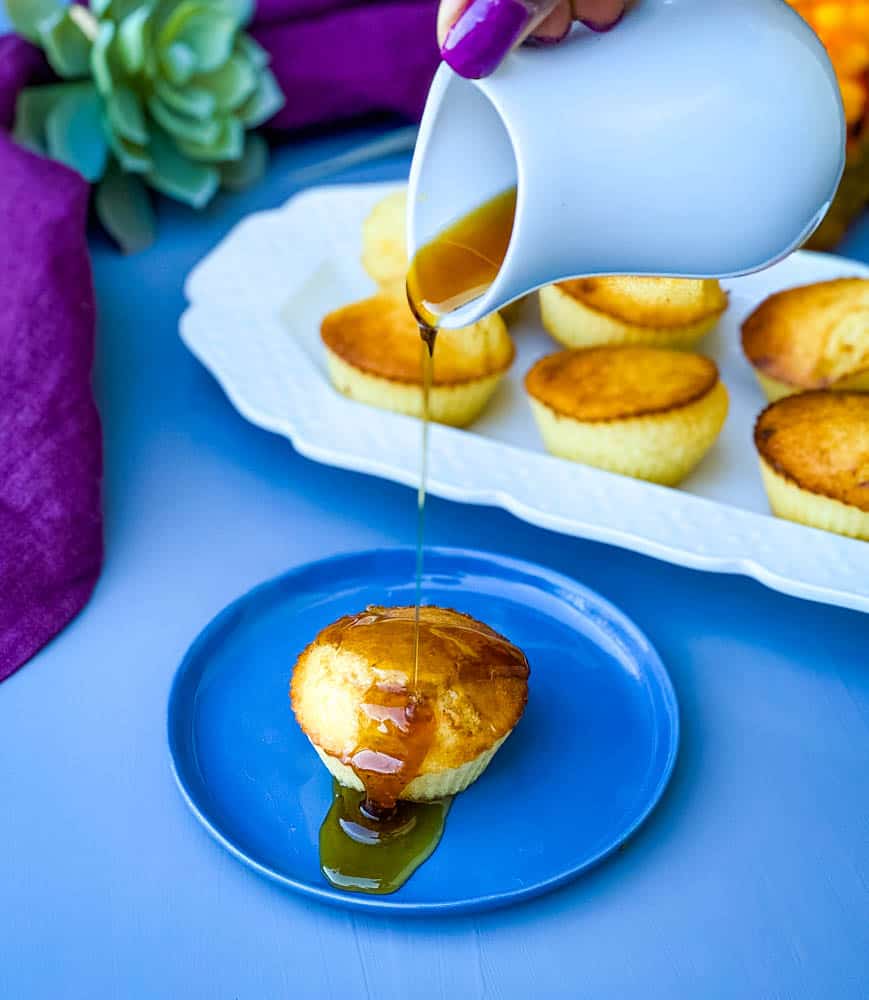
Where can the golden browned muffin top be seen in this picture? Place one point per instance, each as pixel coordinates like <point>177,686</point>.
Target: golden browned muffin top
<point>810,337</point>
<point>652,302</point>
<point>615,383</point>
<point>473,680</point>
<point>380,336</point>
<point>820,441</point>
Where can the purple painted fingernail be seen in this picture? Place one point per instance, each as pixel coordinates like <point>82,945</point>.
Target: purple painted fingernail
<point>484,34</point>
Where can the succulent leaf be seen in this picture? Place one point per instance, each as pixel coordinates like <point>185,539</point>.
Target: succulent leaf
<point>228,144</point>
<point>232,84</point>
<point>255,54</point>
<point>132,156</point>
<point>208,32</point>
<point>210,38</point>
<point>31,111</point>
<point>178,61</point>
<point>74,131</point>
<point>265,101</point>
<point>103,59</point>
<point>241,11</point>
<point>236,175</point>
<point>125,115</point>
<point>193,101</point>
<point>181,126</point>
<point>124,209</point>
<point>132,39</point>
<point>66,46</point>
<point>28,15</point>
<point>177,176</point>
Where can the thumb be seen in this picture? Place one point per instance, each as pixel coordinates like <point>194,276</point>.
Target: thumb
<point>448,13</point>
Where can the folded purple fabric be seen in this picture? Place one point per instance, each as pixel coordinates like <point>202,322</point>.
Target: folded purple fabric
<point>50,451</point>
<point>334,59</point>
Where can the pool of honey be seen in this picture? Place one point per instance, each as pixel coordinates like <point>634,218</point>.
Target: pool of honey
<point>377,855</point>
<point>372,841</point>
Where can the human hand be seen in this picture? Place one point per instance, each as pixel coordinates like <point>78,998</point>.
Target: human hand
<point>475,35</point>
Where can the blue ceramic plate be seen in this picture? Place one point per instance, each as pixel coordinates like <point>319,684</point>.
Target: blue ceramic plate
<point>582,770</point>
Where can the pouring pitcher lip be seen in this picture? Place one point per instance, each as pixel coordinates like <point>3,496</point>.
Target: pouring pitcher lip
<point>473,143</point>
<point>444,78</point>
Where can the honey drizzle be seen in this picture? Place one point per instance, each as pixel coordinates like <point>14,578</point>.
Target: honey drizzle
<point>457,266</point>
<point>371,841</point>
<point>396,729</point>
<point>428,337</point>
<point>396,720</point>
<point>454,268</point>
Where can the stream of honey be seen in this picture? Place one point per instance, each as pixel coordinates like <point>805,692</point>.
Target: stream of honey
<point>453,269</point>
<point>372,841</point>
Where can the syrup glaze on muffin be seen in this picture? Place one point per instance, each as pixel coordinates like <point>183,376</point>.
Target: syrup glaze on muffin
<point>354,696</point>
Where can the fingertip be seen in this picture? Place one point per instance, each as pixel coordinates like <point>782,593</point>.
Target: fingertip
<point>449,12</point>
<point>599,15</point>
<point>554,28</point>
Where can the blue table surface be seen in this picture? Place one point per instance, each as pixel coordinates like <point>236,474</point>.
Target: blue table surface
<point>750,880</point>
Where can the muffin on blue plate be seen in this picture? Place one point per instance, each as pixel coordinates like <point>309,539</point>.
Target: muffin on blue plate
<point>379,729</point>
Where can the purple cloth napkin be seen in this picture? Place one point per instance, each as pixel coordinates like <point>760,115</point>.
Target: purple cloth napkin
<point>334,59</point>
<point>50,451</point>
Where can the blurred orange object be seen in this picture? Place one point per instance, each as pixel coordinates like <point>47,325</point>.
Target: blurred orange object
<point>843,27</point>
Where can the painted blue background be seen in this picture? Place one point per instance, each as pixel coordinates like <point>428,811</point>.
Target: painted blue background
<point>750,880</point>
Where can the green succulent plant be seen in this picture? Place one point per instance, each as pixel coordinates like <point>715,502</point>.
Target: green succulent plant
<point>154,92</point>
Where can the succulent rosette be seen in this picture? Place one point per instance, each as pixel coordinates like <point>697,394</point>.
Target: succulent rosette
<point>153,92</point>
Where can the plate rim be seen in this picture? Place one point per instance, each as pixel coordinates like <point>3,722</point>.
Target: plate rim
<point>653,670</point>
<point>747,558</point>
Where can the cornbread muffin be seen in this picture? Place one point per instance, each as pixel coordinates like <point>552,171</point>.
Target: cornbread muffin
<point>813,337</point>
<point>373,354</point>
<point>353,696</point>
<point>384,244</point>
<point>658,312</point>
<point>814,459</point>
<point>640,411</point>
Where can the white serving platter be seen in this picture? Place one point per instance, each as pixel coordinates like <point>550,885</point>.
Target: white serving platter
<point>256,302</point>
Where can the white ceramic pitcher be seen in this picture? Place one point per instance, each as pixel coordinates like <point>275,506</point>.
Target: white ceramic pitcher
<point>699,138</point>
